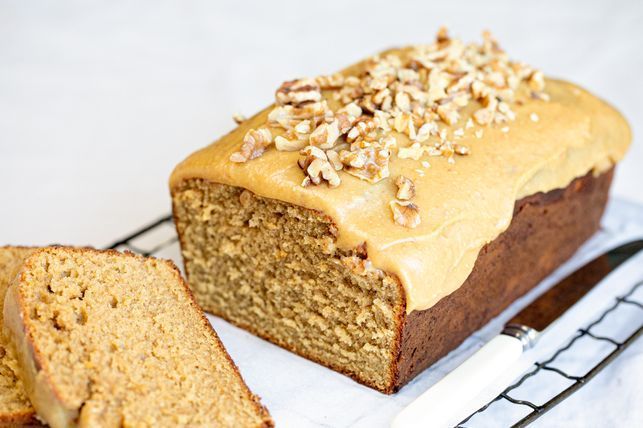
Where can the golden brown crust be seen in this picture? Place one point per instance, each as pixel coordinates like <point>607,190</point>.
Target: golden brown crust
<point>24,417</point>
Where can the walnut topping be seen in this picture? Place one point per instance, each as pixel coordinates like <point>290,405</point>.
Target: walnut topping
<point>335,161</point>
<point>317,167</point>
<point>289,145</point>
<point>360,266</point>
<point>405,213</point>
<point>367,160</point>
<point>298,91</point>
<point>238,118</point>
<point>325,135</point>
<point>414,151</point>
<point>405,188</point>
<point>254,144</point>
<point>436,95</point>
<point>334,81</point>
<point>461,150</point>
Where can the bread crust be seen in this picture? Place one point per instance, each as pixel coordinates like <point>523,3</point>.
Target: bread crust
<point>21,418</point>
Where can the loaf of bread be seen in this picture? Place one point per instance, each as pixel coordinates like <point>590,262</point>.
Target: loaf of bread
<point>114,339</point>
<point>15,408</point>
<point>372,219</point>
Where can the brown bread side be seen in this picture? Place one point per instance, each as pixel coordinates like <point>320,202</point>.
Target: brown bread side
<point>546,230</point>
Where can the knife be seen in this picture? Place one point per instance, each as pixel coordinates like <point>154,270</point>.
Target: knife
<point>440,403</point>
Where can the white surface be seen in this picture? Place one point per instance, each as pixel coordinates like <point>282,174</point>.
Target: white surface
<point>440,405</point>
<point>99,100</point>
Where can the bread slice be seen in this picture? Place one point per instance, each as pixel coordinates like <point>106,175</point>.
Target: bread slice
<point>15,407</point>
<point>115,339</point>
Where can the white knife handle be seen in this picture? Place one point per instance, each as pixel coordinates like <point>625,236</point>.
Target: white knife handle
<point>438,405</point>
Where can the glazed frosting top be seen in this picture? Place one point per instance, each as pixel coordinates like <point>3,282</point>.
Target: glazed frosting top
<point>463,205</point>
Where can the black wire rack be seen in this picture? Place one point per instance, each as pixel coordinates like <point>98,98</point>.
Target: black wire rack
<point>158,236</point>
<point>535,410</point>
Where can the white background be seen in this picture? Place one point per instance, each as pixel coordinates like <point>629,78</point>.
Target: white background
<point>99,100</point>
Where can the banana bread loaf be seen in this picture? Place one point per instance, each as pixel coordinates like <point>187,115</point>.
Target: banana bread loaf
<point>113,339</point>
<point>372,219</point>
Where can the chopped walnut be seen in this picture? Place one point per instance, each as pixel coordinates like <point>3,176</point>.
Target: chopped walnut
<point>325,135</point>
<point>405,213</point>
<point>359,266</point>
<point>405,188</point>
<point>537,81</point>
<point>362,128</point>
<point>403,101</point>
<point>287,145</point>
<point>317,168</point>
<point>425,131</point>
<point>347,116</point>
<point>298,91</point>
<point>288,116</point>
<point>239,118</point>
<point>254,144</point>
<point>461,150</point>
<point>335,161</point>
<point>448,113</point>
<point>414,151</point>
<point>333,81</point>
<point>366,160</point>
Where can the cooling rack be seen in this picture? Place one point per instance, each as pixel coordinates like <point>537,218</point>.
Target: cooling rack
<point>156,237</point>
<point>537,410</point>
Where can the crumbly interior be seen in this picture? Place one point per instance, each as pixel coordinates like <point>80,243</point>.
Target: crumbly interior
<point>14,404</point>
<point>273,269</point>
<point>119,339</point>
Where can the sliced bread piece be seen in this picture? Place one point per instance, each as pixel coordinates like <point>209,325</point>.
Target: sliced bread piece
<point>15,407</point>
<point>115,339</point>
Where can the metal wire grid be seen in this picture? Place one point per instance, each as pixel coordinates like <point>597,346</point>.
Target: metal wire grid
<point>539,367</point>
<point>578,381</point>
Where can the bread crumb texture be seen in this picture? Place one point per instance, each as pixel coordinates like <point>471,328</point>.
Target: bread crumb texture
<point>119,338</point>
<point>273,268</point>
<point>14,404</point>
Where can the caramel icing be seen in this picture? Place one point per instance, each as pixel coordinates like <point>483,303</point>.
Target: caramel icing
<point>463,206</point>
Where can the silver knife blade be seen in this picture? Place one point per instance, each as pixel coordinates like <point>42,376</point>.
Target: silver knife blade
<point>547,308</point>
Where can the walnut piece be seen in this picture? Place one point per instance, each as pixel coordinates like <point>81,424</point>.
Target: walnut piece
<point>289,145</point>
<point>405,213</point>
<point>298,92</point>
<point>405,188</point>
<point>254,144</point>
<point>317,168</point>
<point>239,118</point>
<point>367,160</point>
